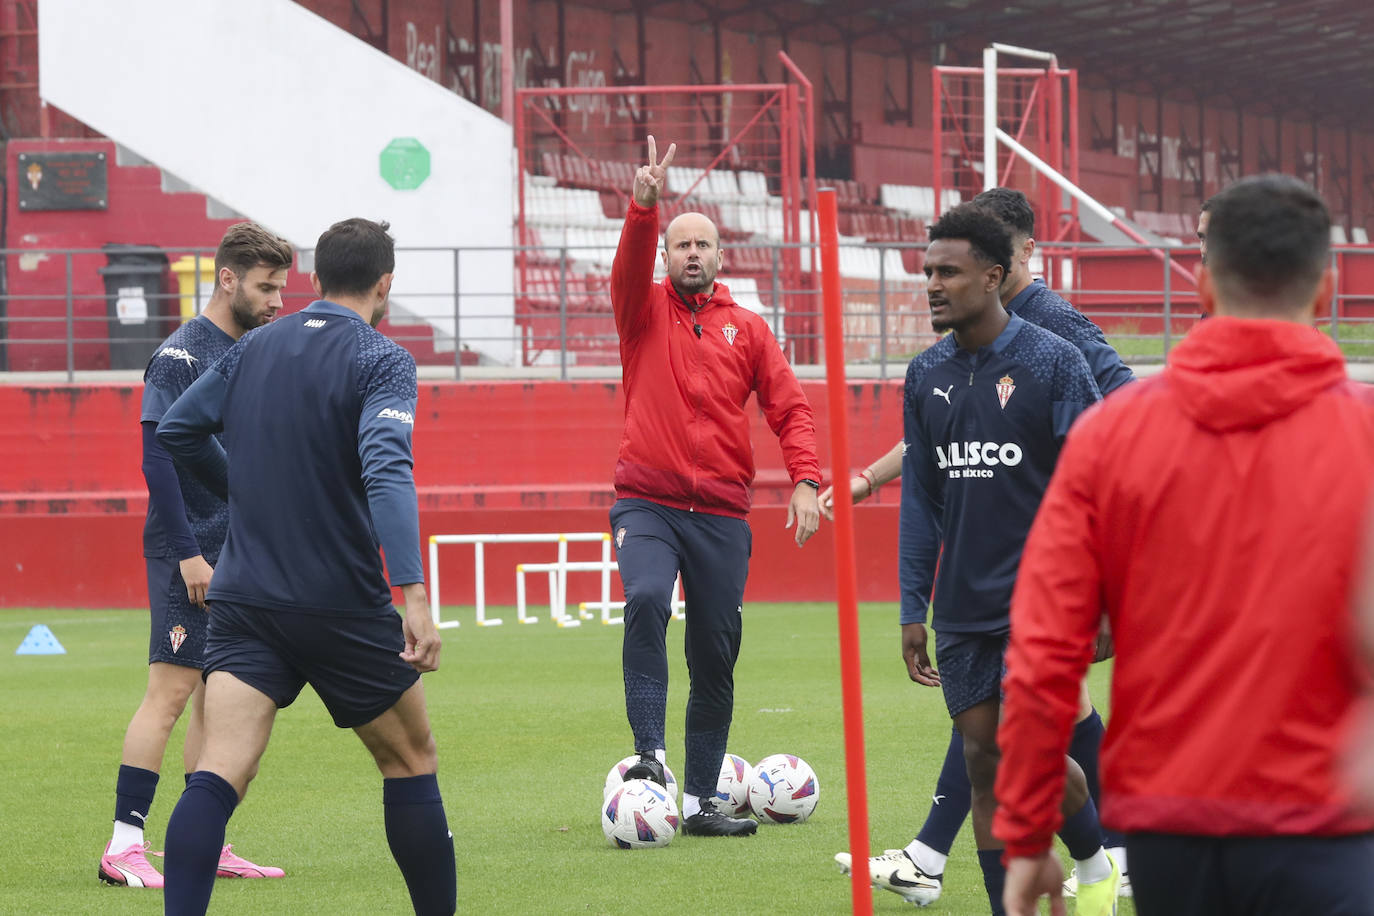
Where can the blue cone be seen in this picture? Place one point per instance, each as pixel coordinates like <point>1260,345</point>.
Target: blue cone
<point>40,641</point>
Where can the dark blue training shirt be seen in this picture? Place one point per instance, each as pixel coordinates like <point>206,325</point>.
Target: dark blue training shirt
<point>1041,306</point>
<point>317,410</point>
<point>196,522</point>
<point>982,434</point>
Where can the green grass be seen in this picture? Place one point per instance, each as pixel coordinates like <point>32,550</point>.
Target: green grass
<point>1356,339</point>
<point>528,720</point>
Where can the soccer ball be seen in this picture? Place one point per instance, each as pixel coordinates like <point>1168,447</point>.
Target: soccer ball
<point>732,790</point>
<point>616,777</point>
<point>783,789</point>
<point>639,815</point>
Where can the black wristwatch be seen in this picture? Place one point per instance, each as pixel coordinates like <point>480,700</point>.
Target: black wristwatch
<point>810,483</point>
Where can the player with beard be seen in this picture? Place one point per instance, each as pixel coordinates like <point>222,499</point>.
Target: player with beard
<point>182,538</point>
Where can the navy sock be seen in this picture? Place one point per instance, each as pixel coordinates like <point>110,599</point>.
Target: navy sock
<point>417,832</point>
<point>646,705</point>
<point>134,791</point>
<point>951,800</point>
<point>994,877</point>
<point>1084,748</point>
<point>195,835</point>
<point>1081,832</point>
<point>705,751</point>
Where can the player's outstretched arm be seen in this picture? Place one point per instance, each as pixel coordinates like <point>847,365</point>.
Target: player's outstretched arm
<point>422,637</point>
<point>866,482</point>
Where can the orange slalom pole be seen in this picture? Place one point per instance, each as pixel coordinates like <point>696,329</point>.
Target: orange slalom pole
<point>846,580</point>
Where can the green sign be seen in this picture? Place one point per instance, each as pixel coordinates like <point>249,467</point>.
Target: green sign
<point>404,163</point>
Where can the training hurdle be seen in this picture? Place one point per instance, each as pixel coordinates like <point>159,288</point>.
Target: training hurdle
<point>558,576</point>
<point>606,605</point>
<point>558,595</point>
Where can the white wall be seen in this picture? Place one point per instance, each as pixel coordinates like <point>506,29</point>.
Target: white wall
<point>281,116</point>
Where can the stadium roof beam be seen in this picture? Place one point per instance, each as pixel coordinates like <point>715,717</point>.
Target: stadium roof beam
<point>1306,55</point>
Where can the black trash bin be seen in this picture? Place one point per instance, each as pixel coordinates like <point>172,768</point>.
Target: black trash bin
<point>136,303</point>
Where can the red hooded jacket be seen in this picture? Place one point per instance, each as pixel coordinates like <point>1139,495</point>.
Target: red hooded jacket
<point>686,442</point>
<point>1215,511</point>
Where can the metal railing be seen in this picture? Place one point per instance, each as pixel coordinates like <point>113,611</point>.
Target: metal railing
<point>62,315</point>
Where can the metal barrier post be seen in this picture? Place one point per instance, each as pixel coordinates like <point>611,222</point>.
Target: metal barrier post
<point>882,312</point>
<point>71,331</point>
<point>1167,303</point>
<point>457,348</point>
<point>197,283</point>
<point>563,311</point>
<point>777,298</point>
<point>1335,301</point>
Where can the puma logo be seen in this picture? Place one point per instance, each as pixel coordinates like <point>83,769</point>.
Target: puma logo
<point>944,394</point>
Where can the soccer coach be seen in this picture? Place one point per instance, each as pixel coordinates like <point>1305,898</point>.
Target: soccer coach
<point>691,359</point>
<point>1215,511</point>
<point>317,410</point>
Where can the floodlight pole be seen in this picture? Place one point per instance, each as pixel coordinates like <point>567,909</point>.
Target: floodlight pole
<point>846,580</point>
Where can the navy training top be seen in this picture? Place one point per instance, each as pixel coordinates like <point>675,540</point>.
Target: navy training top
<point>982,433</point>
<point>1042,306</point>
<point>181,359</point>
<point>317,410</point>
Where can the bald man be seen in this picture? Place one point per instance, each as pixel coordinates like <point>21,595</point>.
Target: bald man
<point>691,358</point>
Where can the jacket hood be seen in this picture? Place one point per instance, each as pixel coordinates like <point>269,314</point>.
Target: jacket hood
<point>1242,373</point>
<point>718,296</point>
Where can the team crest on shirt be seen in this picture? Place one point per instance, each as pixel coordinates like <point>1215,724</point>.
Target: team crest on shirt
<point>729,331</point>
<point>177,635</point>
<point>620,538</point>
<point>1005,387</point>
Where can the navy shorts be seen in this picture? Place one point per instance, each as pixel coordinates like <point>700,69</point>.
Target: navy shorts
<point>178,626</point>
<point>1182,875</point>
<point>352,661</point>
<point>971,666</point>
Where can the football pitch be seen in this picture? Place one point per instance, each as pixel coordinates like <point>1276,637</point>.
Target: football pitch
<point>528,720</point>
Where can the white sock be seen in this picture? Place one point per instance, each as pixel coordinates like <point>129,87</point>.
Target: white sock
<point>926,859</point>
<point>662,755</point>
<point>690,805</point>
<point>1119,854</point>
<point>125,835</point>
<point>1095,868</point>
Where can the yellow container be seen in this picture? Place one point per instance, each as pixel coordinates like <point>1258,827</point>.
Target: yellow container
<point>185,270</point>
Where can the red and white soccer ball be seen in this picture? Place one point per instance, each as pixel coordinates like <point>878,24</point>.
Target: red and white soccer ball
<point>732,789</point>
<point>617,776</point>
<point>639,814</point>
<point>783,789</point>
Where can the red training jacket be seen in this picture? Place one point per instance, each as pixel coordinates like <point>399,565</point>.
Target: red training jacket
<point>1215,511</point>
<point>686,442</point>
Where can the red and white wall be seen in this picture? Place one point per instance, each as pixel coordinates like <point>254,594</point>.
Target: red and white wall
<point>502,456</point>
